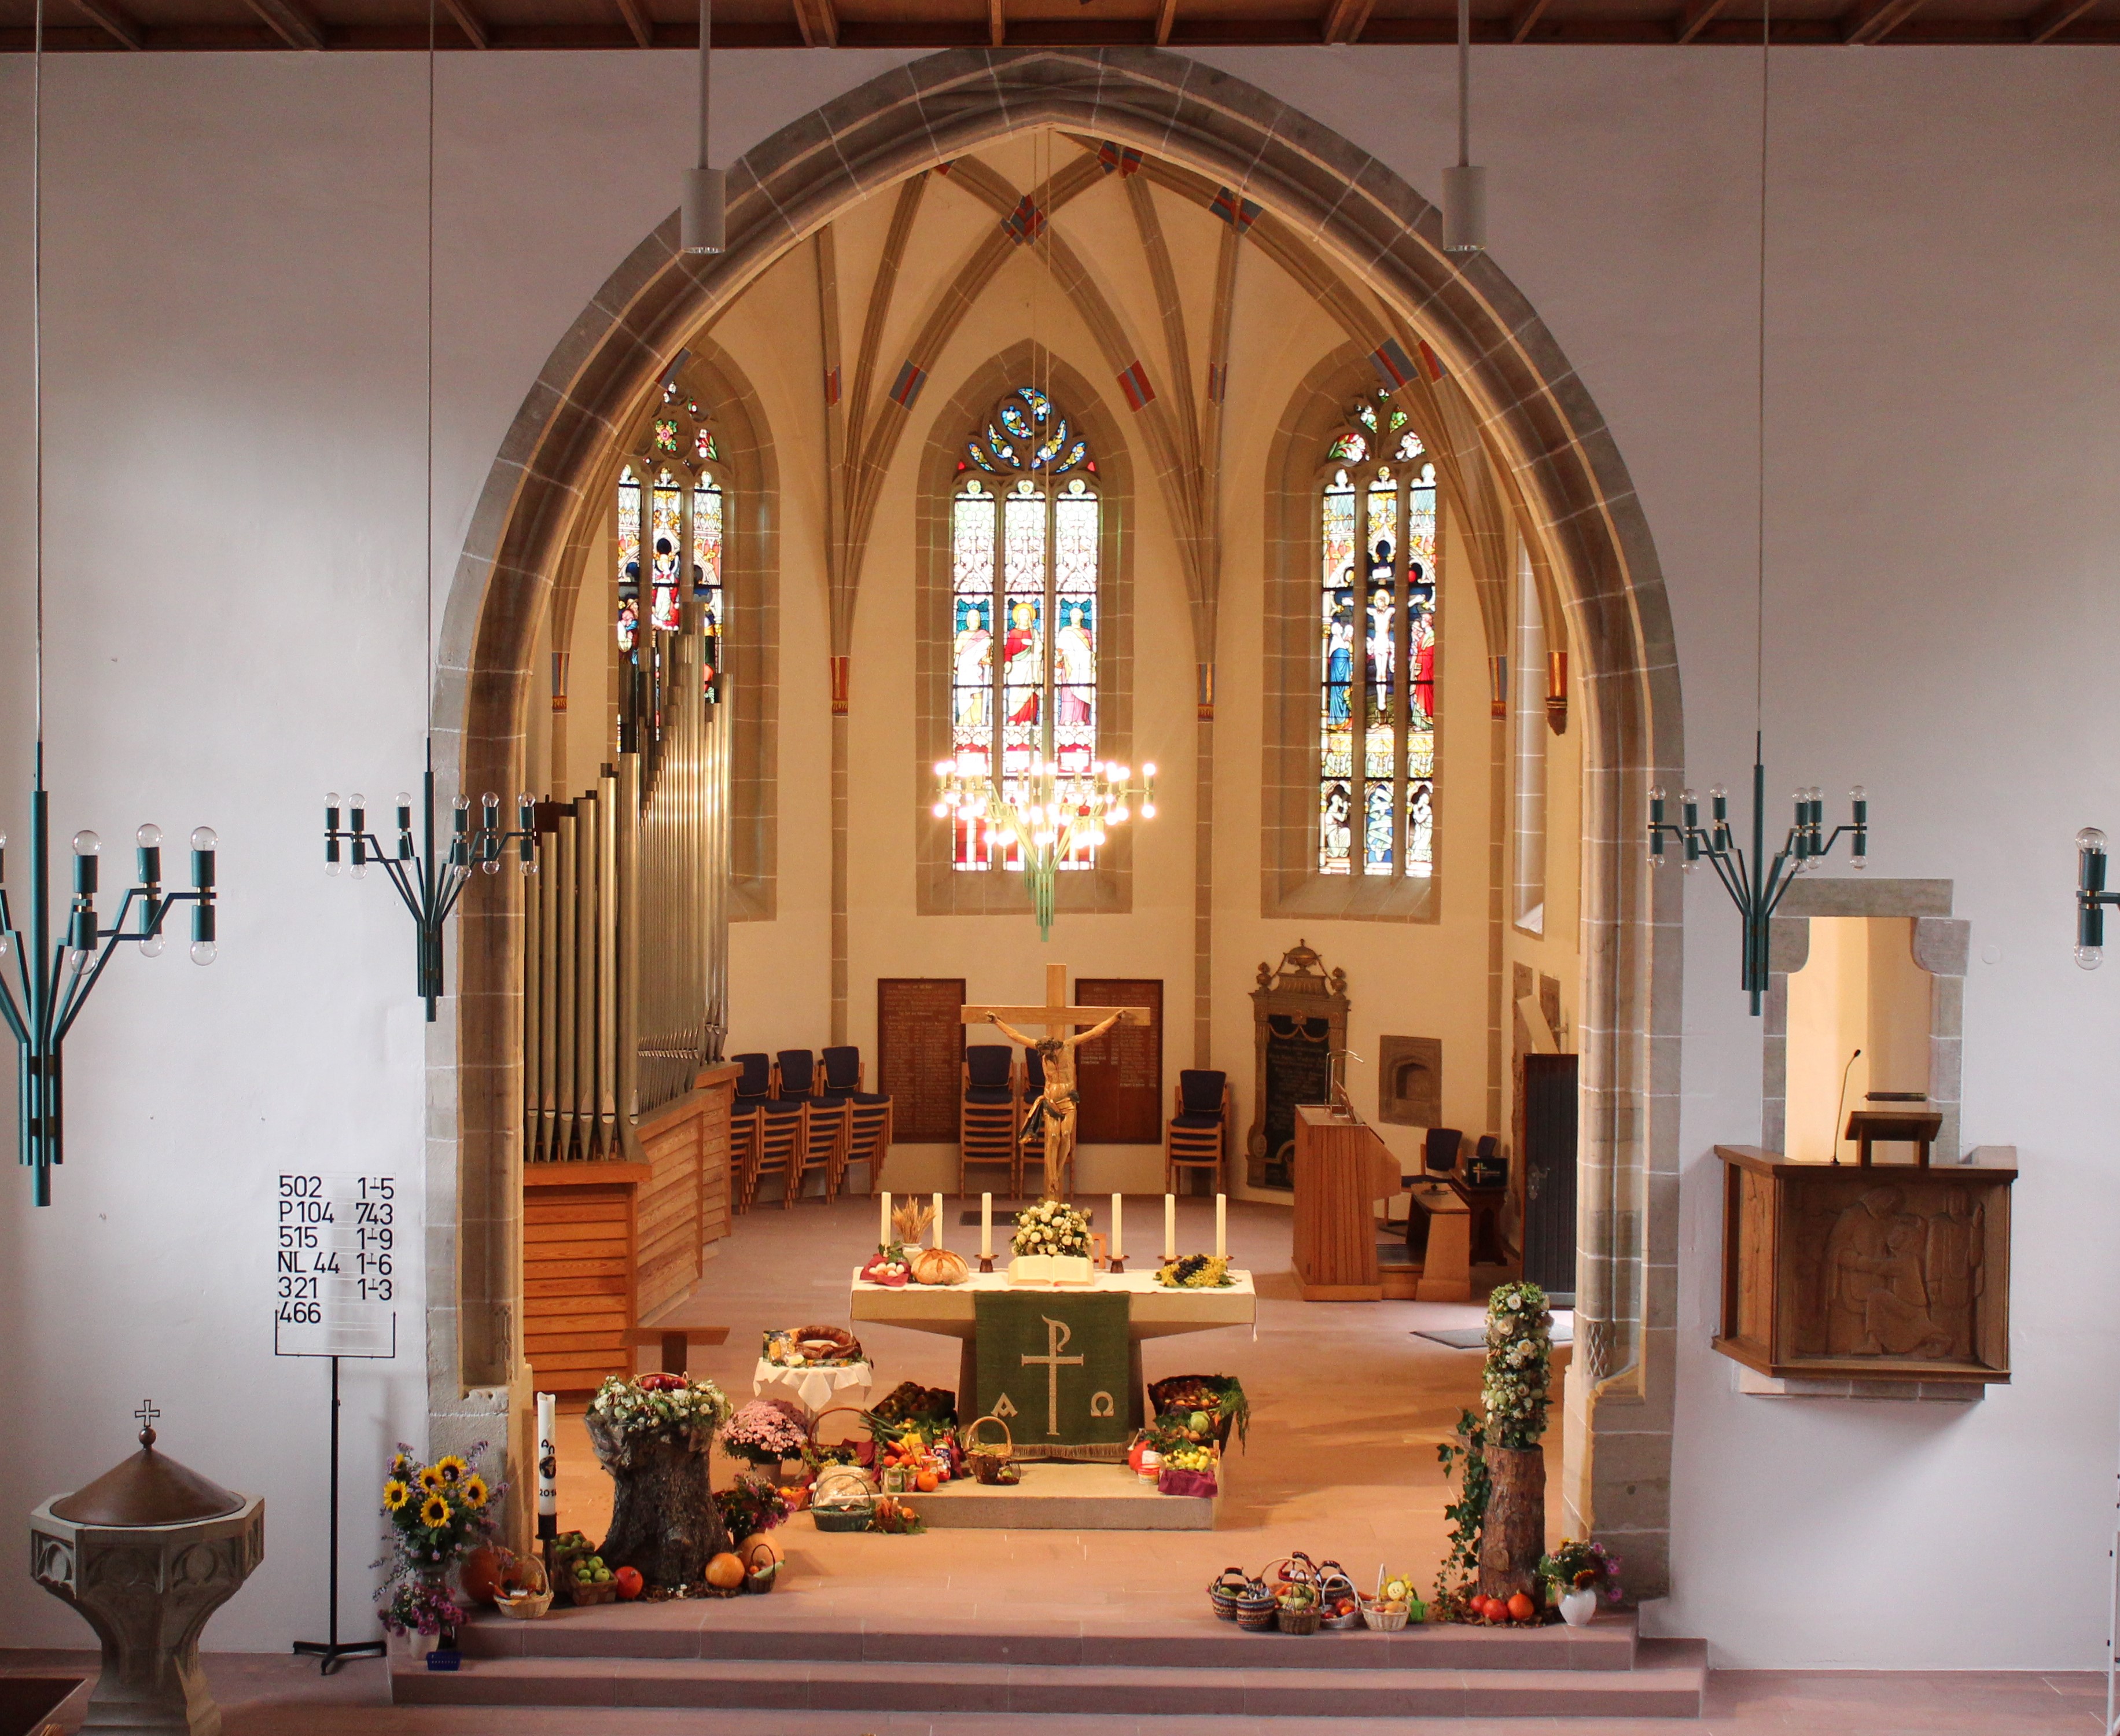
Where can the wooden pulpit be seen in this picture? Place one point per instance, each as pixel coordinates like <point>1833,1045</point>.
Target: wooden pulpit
<point>1342,1169</point>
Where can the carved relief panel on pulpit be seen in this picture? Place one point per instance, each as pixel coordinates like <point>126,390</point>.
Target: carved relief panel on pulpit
<point>1300,1011</point>
<point>1886,1272</point>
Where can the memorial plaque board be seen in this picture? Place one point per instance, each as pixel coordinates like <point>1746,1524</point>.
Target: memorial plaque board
<point>920,1053</point>
<point>1120,1075</point>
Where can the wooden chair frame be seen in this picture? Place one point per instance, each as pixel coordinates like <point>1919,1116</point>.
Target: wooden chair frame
<point>976,1144</point>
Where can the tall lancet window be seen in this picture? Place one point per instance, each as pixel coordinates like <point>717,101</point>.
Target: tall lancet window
<point>1376,649</point>
<point>1024,608</point>
<point>669,515</point>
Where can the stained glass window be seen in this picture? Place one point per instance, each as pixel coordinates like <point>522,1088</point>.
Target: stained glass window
<point>1025,611</point>
<point>1376,625</point>
<point>669,521</point>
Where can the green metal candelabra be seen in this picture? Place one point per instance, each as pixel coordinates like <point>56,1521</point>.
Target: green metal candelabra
<point>1756,885</point>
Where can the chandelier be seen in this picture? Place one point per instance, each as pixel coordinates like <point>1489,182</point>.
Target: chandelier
<point>1043,816</point>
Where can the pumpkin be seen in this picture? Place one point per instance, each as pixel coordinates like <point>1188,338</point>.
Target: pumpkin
<point>939,1266</point>
<point>725,1572</point>
<point>485,1570</point>
<point>759,1540</point>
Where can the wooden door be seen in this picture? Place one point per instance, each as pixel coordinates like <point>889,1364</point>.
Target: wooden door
<point>1548,1171</point>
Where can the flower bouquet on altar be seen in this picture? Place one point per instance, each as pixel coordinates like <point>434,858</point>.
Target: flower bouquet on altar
<point>1051,1246</point>
<point>438,1514</point>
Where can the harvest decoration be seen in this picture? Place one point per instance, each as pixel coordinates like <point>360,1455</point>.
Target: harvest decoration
<point>1195,1272</point>
<point>751,1506</point>
<point>438,1514</point>
<point>666,1407</point>
<point>1519,1355</point>
<point>1581,1565</point>
<point>1219,1399</point>
<point>1051,1227</point>
<point>765,1431</point>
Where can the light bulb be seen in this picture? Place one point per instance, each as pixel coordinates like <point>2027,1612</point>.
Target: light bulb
<point>489,800</point>
<point>204,951</point>
<point>359,872</point>
<point>149,836</point>
<point>331,798</point>
<point>940,810</point>
<point>523,798</point>
<point>87,843</point>
<point>1148,810</point>
<point>205,838</point>
<point>404,799</point>
<point>1149,770</point>
<point>1122,814</point>
<point>2090,839</point>
<point>1858,794</point>
<point>942,768</point>
<point>356,800</point>
<point>460,802</point>
<point>151,946</point>
<point>526,869</point>
<point>491,865</point>
<point>2090,958</point>
<point>331,871</point>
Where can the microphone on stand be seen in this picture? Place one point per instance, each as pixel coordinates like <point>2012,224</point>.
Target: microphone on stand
<point>1841,1107</point>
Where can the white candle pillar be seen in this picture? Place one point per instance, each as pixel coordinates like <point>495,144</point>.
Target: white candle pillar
<point>1170,1228</point>
<point>986,1226</point>
<point>1118,1251</point>
<point>935,1229</point>
<point>1221,1226</point>
<point>548,1465</point>
<point>883,1223</point>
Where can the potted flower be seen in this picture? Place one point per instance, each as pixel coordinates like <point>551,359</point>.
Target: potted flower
<point>437,1515</point>
<point>765,1432</point>
<point>1574,1574</point>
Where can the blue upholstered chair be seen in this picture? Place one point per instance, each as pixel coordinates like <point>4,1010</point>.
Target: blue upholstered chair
<point>844,1071</point>
<point>990,1114</point>
<point>868,1116</point>
<point>754,1085</point>
<point>794,1073</point>
<point>1197,1137</point>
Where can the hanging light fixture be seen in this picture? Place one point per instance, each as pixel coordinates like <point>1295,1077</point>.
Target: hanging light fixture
<point>47,973</point>
<point>1464,186</point>
<point>429,885</point>
<point>1756,885</point>
<point>1042,813</point>
<point>702,221</point>
<point>2091,898</point>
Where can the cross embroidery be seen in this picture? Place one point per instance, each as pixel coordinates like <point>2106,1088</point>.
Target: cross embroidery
<point>1057,1335</point>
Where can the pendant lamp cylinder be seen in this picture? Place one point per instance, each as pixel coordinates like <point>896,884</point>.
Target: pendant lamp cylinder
<point>1464,209</point>
<point>702,226</point>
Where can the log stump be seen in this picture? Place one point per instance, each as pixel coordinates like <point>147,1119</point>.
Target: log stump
<point>663,1519</point>
<point>1512,1535</point>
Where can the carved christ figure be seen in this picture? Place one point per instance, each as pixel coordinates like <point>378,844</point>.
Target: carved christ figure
<point>1053,1113</point>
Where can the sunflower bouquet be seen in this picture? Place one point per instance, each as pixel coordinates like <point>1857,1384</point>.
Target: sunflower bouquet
<point>437,1515</point>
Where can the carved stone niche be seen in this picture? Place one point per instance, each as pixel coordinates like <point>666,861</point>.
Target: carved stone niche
<point>1300,1012</point>
<point>1847,1276</point>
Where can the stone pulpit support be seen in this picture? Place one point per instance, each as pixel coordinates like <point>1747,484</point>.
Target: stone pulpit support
<point>146,1553</point>
<point>1861,1273</point>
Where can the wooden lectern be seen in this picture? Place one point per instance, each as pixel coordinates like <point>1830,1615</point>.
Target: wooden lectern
<point>1342,1169</point>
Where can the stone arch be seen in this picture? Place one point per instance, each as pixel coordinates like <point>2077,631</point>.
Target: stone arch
<point>1577,502</point>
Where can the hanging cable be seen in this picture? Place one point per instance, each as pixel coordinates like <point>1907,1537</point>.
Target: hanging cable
<point>1759,551</point>
<point>702,221</point>
<point>1464,187</point>
<point>37,343</point>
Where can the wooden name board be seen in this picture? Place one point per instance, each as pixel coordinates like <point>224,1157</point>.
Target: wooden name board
<point>920,1055</point>
<point>1120,1075</point>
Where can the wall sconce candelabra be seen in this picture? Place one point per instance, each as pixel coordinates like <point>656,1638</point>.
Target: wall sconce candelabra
<point>429,885</point>
<point>1052,814</point>
<point>2091,898</point>
<point>1756,885</point>
<point>52,980</point>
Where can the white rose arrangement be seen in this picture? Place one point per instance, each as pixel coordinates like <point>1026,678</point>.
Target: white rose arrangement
<point>1519,1350</point>
<point>1051,1226</point>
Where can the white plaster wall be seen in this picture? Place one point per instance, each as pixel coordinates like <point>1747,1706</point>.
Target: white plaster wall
<point>234,276</point>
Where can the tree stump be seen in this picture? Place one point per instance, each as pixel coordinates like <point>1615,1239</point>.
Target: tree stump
<point>663,1519</point>
<point>1512,1536</point>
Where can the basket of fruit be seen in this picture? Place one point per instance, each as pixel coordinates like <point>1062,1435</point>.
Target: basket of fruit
<point>988,1459</point>
<point>1339,1603</point>
<point>1255,1607</point>
<point>1188,1468</point>
<point>1228,1586</point>
<point>525,1592</point>
<point>842,1499</point>
<point>1394,1604</point>
<point>589,1582</point>
<point>1296,1608</point>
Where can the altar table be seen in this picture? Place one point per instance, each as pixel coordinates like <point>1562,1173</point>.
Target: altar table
<point>1155,1311</point>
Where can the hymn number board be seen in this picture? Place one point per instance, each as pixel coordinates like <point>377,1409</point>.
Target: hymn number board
<point>335,1266</point>
<point>1120,1074</point>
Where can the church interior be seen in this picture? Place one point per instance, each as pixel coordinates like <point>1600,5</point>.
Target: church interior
<point>1060,967</point>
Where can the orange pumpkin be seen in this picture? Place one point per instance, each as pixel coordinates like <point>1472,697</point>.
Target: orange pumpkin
<point>725,1572</point>
<point>759,1540</point>
<point>926,1482</point>
<point>485,1570</point>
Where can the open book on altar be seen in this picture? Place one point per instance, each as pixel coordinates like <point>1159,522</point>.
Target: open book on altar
<point>1051,1268</point>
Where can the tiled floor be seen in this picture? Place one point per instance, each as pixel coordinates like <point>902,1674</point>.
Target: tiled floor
<point>278,1697</point>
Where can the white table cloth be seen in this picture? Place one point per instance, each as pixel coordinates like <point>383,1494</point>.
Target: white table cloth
<point>814,1388</point>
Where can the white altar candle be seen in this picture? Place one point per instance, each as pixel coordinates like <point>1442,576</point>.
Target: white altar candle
<point>1170,1228</point>
<point>548,1447</point>
<point>935,1230</point>
<point>1221,1226</point>
<point>1118,1251</point>
<point>883,1223</point>
<point>986,1226</point>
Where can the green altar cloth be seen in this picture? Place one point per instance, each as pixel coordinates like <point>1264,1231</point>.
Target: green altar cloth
<point>1056,1368</point>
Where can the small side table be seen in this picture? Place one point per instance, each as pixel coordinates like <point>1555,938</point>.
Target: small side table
<point>1486,1205</point>
<point>1446,1266</point>
<point>677,1342</point>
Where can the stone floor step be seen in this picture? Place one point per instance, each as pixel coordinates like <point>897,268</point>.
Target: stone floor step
<point>1671,1688</point>
<point>767,1631</point>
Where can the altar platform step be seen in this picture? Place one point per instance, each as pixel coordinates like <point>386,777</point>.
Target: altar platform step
<point>736,1654</point>
<point>1058,1497</point>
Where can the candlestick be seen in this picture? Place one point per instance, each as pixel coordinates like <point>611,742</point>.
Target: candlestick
<point>935,1229</point>
<point>883,1223</point>
<point>986,1232</point>
<point>1170,1228</point>
<point>1221,1227</point>
<point>548,1465</point>
<point>1119,1249</point>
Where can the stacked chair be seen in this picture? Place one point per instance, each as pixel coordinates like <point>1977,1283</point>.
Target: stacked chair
<point>991,1115</point>
<point>779,1147</point>
<point>754,1086</point>
<point>1197,1137</point>
<point>868,1118</point>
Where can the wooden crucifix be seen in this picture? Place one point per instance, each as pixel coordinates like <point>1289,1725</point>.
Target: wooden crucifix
<point>1053,1115</point>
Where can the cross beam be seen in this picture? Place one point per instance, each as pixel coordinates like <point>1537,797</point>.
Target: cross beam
<point>1057,1018</point>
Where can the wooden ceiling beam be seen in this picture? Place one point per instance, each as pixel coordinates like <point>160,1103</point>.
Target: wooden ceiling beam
<point>290,23</point>
<point>996,23</point>
<point>120,25</point>
<point>1345,20</point>
<point>1166,20</point>
<point>2050,20</point>
<point>1525,20</point>
<point>466,20</point>
<point>1875,20</point>
<point>819,22</point>
<point>639,22</point>
<point>1695,18</point>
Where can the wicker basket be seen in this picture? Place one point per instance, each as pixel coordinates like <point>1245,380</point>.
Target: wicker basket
<point>585,1595</point>
<point>842,1499</point>
<point>1382,1621</point>
<point>1291,1618</point>
<point>761,1567</point>
<point>1336,1586</point>
<point>1255,1613</point>
<point>525,1606</point>
<point>986,1461</point>
<point>1229,1585</point>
